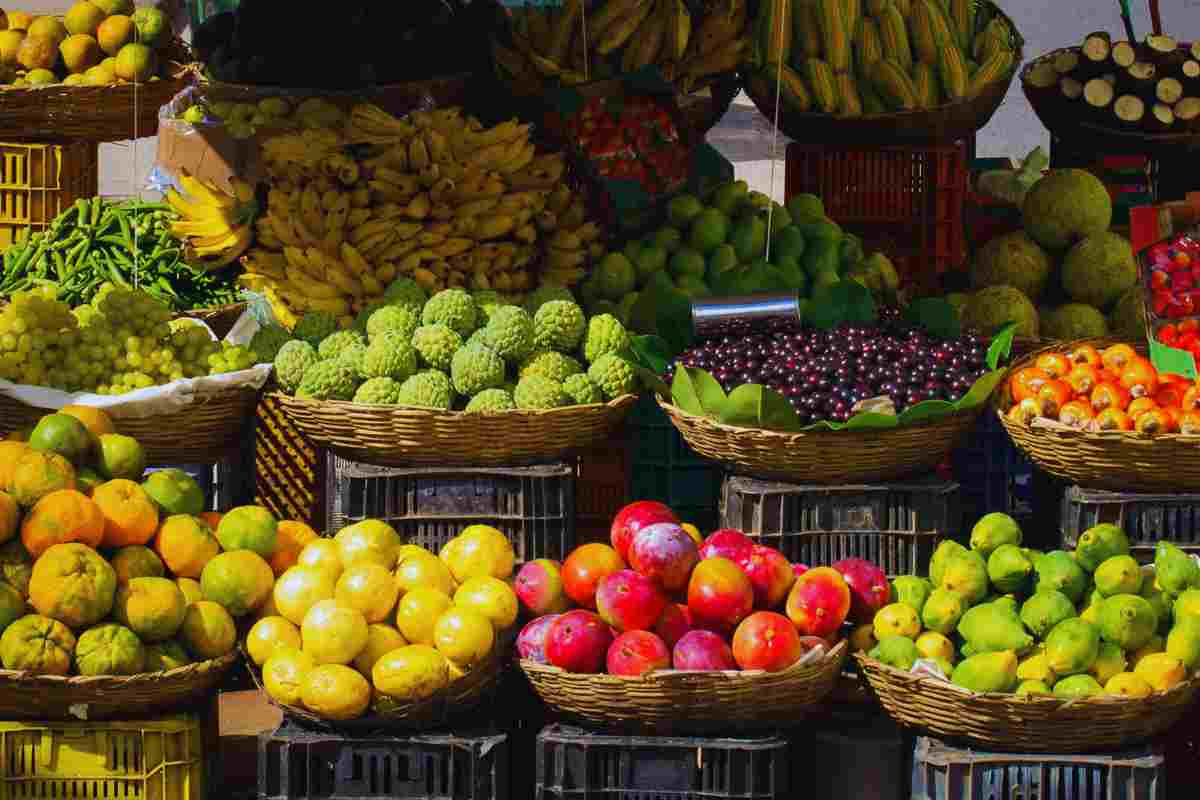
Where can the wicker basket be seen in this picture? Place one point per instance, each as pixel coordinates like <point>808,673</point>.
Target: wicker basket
<point>95,113</point>
<point>409,436</point>
<point>946,123</point>
<point>395,98</point>
<point>1067,121</point>
<point>825,457</point>
<point>1123,461</point>
<point>27,696</point>
<point>690,702</point>
<point>1024,724</point>
<point>203,432</point>
<point>220,319</point>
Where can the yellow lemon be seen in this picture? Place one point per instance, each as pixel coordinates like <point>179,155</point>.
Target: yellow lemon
<point>935,645</point>
<point>380,639</point>
<point>464,636</point>
<point>268,635</point>
<point>322,554</point>
<point>491,597</point>
<point>284,673</point>
<point>301,588</point>
<point>371,540</point>
<point>334,691</point>
<point>1161,671</point>
<point>370,589</point>
<point>418,611</point>
<point>478,551</point>
<point>333,634</point>
<point>411,673</point>
<point>423,569</point>
<point>1128,684</point>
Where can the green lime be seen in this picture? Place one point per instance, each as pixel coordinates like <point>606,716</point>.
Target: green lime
<point>693,287</point>
<point>729,196</point>
<point>709,229</point>
<point>687,261</point>
<point>668,239</point>
<point>650,260</point>
<point>682,209</point>
<point>723,259</point>
<point>616,276</point>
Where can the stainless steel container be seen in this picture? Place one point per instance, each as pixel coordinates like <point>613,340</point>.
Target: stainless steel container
<point>720,316</point>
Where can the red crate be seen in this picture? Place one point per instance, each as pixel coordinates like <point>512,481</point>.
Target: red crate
<point>906,201</point>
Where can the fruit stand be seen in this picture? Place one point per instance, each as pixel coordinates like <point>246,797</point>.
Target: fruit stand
<point>448,421</point>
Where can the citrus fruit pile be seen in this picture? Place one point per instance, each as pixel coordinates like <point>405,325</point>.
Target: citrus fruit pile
<point>363,615</point>
<point>1114,389</point>
<point>109,570</point>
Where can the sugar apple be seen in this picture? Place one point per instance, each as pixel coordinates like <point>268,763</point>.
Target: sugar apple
<point>510,333</point>
<point>1065,206</point>
<point>407,293</point>
<point>352,357</point>
<point>476,338</point>
<point>360,319</point>
<point>1128,317</point>
<point>1013,259</point>
<point>389,357</point>
<point>315,326</point>
<point>614,375</point>
<point>266,342</point>
<point>491,401</point>
<point>436,345</point>
<point>398,319</point>
<point>474,369</point>
<point>292,361</point>
<point>605,334</point>
<point>551,364</point>
<point>1073,321</point>
<point>544,294</point>
<point>428,389</point>
<point>559,325</point>
<point>332,345</point>
<point>987,310</point>
<point>582,390</point>
<point>328,380</point>
<point>453,308</point>
<point>1099,269</point>
<point>378,391</point>
<point>487,301</point>
<point>537,391</point>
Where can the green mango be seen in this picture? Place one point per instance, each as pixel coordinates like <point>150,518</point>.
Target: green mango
<point>1032,687</point>
<point>805,205</point>
<point>749,238</point>
<point>780,219</point>
<point>1117,575</point>
<point>943,610</point>
<point>820,257</point>
<point>1045,610</point>
<point>987,672</point>
<point>1009,568</point>
<point>1176,570</point>
<point>669,239</point>
<point>1099,543</point>
<point>896,651</point>
<point>944,664</point>
<point>1036,667</point>
<point>1078,686</point>
<point>937,563</point>
<point>1072,647</point>
<point>686,261</point>
<point>850,251</point>
<point>967,575</point>
<point>791,272</point>
<point>683,208</point>
<point>708,230</point>
<point>1059,570</point>
<point>1187,604</point>
<point>990,628</point>
<point>758,200</point>
<point>993,530</point>
<point>729,196</point>
<point>912,590</point>
<point>1109,661</point>
<point>1183,642</point>
<point>788,242</point>
<point>1009,603</point>
<point>1127,620</point>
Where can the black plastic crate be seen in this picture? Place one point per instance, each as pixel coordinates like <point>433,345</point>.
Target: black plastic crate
<point>533,506</point>
<point>573,764</point>
<point>851,755</point>
<point>297,764</point>
<point>993,475</point>
<point>664,468</point>
<point>946,773</point>
<point>896,525</point>
<point>1145,518</point>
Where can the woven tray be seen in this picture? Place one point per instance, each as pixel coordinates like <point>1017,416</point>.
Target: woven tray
<point>408,436</point>
<point>203,432</point>
<point>95,113</point>
<point>1031,724</point>
<point>673,701</point>
<point>27,696</point>
<point>220,319</point>
<point>945,123</point>
<point>825,457</point>
<point>1123,461</point>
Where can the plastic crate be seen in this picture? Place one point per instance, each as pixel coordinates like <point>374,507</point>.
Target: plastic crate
<point>40,181</point>
<point>161,759</point>
<point>533,506</point>
<point>848,756</point>
<point>896,526</point>
<point>665,469</point>
<point>1145,518</point>
<point>602,480</point>
<point>992,474</point>
<point>906,201</point>
<point>287,468</point>
<point>573,764</point>
<point>941,772</point>
<point>298,764</point>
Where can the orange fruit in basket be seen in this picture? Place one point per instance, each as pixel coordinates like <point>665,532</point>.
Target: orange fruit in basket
<point>251,528</point>
<point>240,581</point>
<point>130,516</point>
<point>153,608</point>
<point>370,589</point>
<point>186,544</point>
<point>464,636</point>
<point>301,588</point>
<point>37,644</point>
<point>94,419</point>
<point>80,52</point>
<point>418,611</point>
<point>37,474</point>
<point>1140,406</point>
<point>1083,378</point>
<point>62,434</point>
<point>136,561</point>
<point>491,597</point>
<point>411,673</point>
<point>115,32</point>
<point>1112,419</point>
<point>10,45</point>
<point>37,52</point>
<point>83,17</point>
<point>1115,358</point>
<point>284,673</point>
<point>333,633</point>
<point>50,28</point>
<point>191,590</point>
<point>268,635</point>
<point>381,640</point>
<point>1140,377</point>
<point>10,516</point>
<point>19,20</point>
<point>321,554</point>
<point>207,631</point>
<point>1056,365</point>
<point>1155,420</point>
<point>291,537</point>
<point>72,584</point>
<point>10,453</point>
<point>213,518</point>
<point>1077,414</point>
<point>479,550</point>
<point>335,691</point>
<point>1052,396</point>
<point>1026,383</point>
<point>371,540</point>
<point>420,568</point>
<point>60,518</point>
<point>1108,395</point>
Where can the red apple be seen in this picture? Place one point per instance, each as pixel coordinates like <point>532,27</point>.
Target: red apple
<point>767,641</point>
<point>578,641</point>
<point>770,574</point>
<point>799,569</point>
<point>636,653</point>
<point>869,588</point>
<point>539,587</point>
<point>675,621</point>
<point>584,569</point>
<point>629,601</point>
<point>727,543</point>
<point>664,553</point>
<point>531,641</point>
<point>702,650</point>
<point>632,518</point>
<point>719,595</point>
<point>819,602</point>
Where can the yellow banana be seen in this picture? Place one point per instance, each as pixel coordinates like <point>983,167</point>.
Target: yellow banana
<point>309,287</point>
<point>565,240</point>
<point>219,243</point>
<point>679,30</point>
<point>616,35</point>
<point>195,210</point>
<point>212,226</point>
<point>371,285</point>
<point>525,233</point>
<point>282,226</point>
<point>397,250</point>
<point>354,260</point>
<point>565,259</point>
<point>218,259</point>
<point>559,198</point>
<point>206,193</point>
<point>427,239</point>
<point>357,216</point>
<point>647,43</point>
<point>297,262</point>
<point>493,226</point>
<point>310,211</point>
<point>405,183</point>
<point>546,221</point>
<point>473,208</point>
<point>442,191</point>
<point>441,212</point>
<point>418,154</point>
<point>419,208</point>
<point>454,247</point>
<point>611,12</point>
<point>438,146</point>
<point>360,197</point>
<point>372,248</point>
<point>369,229</point>
<point>386,272</point>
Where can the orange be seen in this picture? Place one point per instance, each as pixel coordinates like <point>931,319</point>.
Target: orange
<point>368,588</point>
<point>16,565</point>
<point>411,673</point>
<point>333,634</point>
<point>185,544</point>
<point>370,540</point>
<point>94,419</point>
<point>212,518</point>
<point>121,456</point>
<point>322,554</point>
<point>83,17</point>
<point>491,597</point>
<point>335,691</point>
<point>59,518</point>
<point>109,649</point>
<point>240,581</point>
<point>136,62</point>
<point>10,453</point>
<point>423,569</point>
<point>207,631</point>
<point>72,584</point>
<point>115,32</point>
<point>418,611</point>
<point>251,528</point>
<point>37,644</point>
<point>291,538</point>
<point>301,588</point>
<point>19,20</point>
<point>49,27</point>
<point>37,52</point>
<point>136,561</point>
<point>190,587</point>
<point>10,516</point>
<point>381,640</point>
<point>153,608</point>
<point>38,474</point>
<point>464,636</point>
<point>478,551</point>
<point>284,673</point>
<point>130,517</point>
<point>268,635</point>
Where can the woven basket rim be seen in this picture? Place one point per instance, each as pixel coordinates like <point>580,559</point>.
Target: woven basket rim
<point>421,411</point>
<point>40,681</point>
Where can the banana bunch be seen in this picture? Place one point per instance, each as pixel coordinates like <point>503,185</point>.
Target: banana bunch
<point>216,228</point>
<point>622,36</point>
<point>435,196</point>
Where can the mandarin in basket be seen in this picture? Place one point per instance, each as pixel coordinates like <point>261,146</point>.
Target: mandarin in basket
<point>284,673</point>
<point>371,540</point>
<point>301,588</point>
<point>478,551</point>
<point>190,587</point>
<point>335,691</point>
<point>418,612</point>
<point>1026,383</point>
<point>136,561</point>
<point>464,636</point>
<point>381,640</point>
<point>491,597</point>
<point>268,635</point>
<point>72,584</point>
<point>1112,419</point>
<point>61,517</point>
<point>10,516</point>
<point>411,673</point>
<point>291,538</point>
<point>37,644</point>
<point>186,544</point>
<point>207,631</point>
<point>38,474</point>
<point>10,453</point>
<point>240,581</point>
<point>94,419</point>
<point>368,588</point>
<point>332,633</point>
<point>130,517</point>
<point>321,554</point>
<point>153,608</point>
<point>1108,395</point>
<point>420,568</point>
<point>1056,365</point>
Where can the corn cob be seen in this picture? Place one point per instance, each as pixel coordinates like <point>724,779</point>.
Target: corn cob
<point>893,35</point>
<point>991,70</point>
<point>952,68</point>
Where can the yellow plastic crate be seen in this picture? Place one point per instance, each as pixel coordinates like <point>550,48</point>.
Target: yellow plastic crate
<point>39,181</point>
<point>161,759</point>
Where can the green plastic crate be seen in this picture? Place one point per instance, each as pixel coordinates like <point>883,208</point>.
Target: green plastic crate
<point>664,468</point>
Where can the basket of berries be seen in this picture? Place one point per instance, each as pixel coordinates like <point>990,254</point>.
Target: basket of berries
<point>1097,413</point>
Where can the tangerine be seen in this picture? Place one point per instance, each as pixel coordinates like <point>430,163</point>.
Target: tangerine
<point>130,517</point>
<point>186,544</point>
<point>59,518</point>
